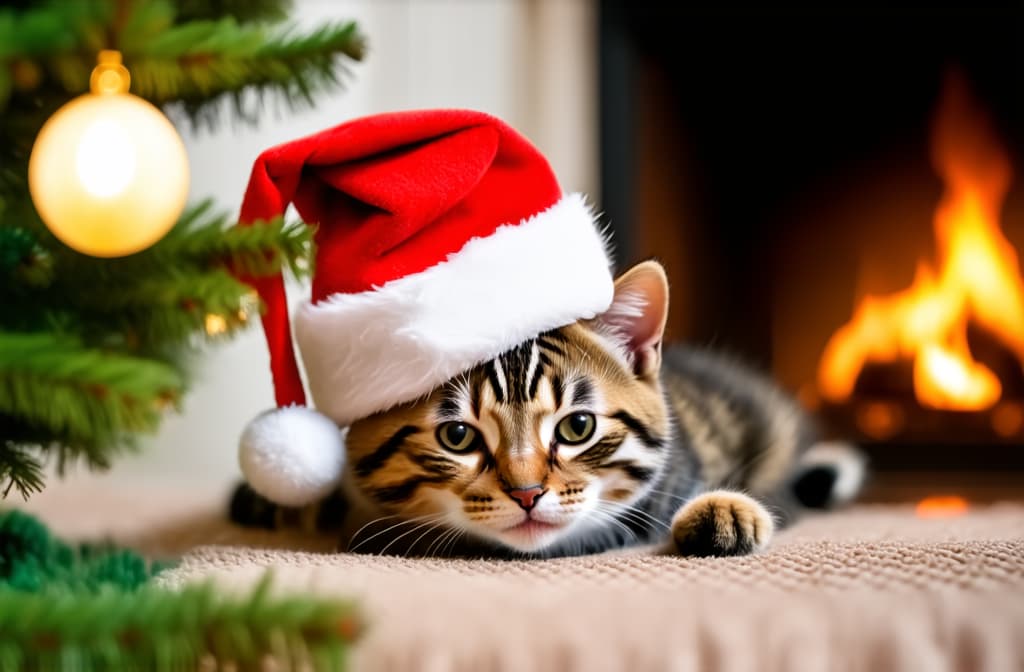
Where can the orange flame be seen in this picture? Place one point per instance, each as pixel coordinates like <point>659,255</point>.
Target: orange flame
<point>978,278</point>
<point>941,506</point>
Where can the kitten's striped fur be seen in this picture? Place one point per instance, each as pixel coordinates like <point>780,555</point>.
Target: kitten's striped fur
<point>683,448</point>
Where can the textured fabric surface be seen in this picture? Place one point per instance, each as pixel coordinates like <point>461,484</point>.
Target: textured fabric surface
<point>871,588</point>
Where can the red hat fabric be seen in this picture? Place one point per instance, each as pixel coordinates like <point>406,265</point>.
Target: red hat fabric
<point>443,240</point>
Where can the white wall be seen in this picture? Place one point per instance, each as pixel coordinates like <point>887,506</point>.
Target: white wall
<point>530,62</point>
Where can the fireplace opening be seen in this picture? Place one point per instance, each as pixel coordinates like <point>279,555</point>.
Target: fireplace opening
<point>834,197</point>
<point>943,359</point>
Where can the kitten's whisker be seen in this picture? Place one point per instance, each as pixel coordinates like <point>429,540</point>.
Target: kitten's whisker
<point>673,495</point>
<point>625,528</point>
<point>638,516</point>
<point>429,523</point>
<point>447,537</point>
<point>451,543</point>
<point>636,511</point>
<point>628,518</point>
<point>389,528</point>
<point>440,540</point>
<point>360,530</point>
<point>426,553</point>
<point>604,515</point>
<point>430,529</point>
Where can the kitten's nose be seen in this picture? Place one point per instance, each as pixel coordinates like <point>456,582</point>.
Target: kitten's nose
<point>526,497</point>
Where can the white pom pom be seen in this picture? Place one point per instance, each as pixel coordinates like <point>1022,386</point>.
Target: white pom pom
<point>292,456</point>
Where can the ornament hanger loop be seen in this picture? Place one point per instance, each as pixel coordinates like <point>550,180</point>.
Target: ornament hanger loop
<point>109,75</point>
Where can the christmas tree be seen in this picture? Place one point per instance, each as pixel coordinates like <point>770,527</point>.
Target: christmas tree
<point>94,351</point>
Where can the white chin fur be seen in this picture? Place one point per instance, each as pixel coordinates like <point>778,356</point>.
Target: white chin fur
<point>292,456</point>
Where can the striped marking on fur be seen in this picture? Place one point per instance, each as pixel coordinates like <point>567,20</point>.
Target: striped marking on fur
<point>517,366</point>
<point>557,390</point>
<point>400,492</point>
<point>633,470</point>
<point>582,393</point>
<point>375,460</point>
<point>497,379</point>
<point>601,450</point>
<point>474,400</point>
<point>537,368</point>
<point>638,428</point>
<point>436,465</point>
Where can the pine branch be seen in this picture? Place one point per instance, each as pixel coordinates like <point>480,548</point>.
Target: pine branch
<point>16,247</point>
<point>212,291</point>
<point>22,259</point>
<point>160,296</point>
<point>50,28</point>
<point>165,307</point>
<point>93,605</point>
<point>200,241</point>
<point>165,294</point>
<point>243,11</point>
<point>28,447</point>
<point>158,629</point>
<point>197,63</point>
<point>260,249</point>
<point>165,312</point>
<point>33,560</point>
<point>81,394</point>
<point>19,469</point>
<point>201,63</point>
<point>206,238</point>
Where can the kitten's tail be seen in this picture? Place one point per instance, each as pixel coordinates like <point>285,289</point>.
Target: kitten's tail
<point>250,509</point>
<point>829,474</point>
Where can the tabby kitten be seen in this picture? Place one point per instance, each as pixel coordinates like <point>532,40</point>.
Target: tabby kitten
<point>585,439</point>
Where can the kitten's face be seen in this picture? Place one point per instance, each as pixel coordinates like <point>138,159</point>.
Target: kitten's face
<point>543,443</point>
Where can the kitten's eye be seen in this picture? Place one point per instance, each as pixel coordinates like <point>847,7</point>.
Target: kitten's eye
<point>576,428</point>
<point>457,437</point>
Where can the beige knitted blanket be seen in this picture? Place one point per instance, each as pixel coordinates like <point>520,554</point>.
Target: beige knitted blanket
<point>871,588</point>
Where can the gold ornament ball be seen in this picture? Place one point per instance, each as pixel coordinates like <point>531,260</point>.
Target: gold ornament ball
<point>108,174</point>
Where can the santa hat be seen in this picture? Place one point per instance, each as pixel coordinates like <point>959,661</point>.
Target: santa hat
<point>443,240</point>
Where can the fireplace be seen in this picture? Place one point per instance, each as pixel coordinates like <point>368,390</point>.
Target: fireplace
<point>833,195</point>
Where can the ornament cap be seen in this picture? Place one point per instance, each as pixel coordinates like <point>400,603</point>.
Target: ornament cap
<point>109,75</point>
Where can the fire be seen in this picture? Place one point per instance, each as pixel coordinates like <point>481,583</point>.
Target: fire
<point>941,506</point>
<point>976,278</point>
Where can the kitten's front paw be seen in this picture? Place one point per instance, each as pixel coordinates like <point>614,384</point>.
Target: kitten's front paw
<point>721,523</point>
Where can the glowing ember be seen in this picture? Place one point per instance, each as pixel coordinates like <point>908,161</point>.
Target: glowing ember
<point>948,506</point>
<point>880,420</point>
<point>977,279</point>
<point>1008,419</point>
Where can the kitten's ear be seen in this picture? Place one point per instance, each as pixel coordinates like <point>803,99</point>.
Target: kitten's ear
<point>638,313</point>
